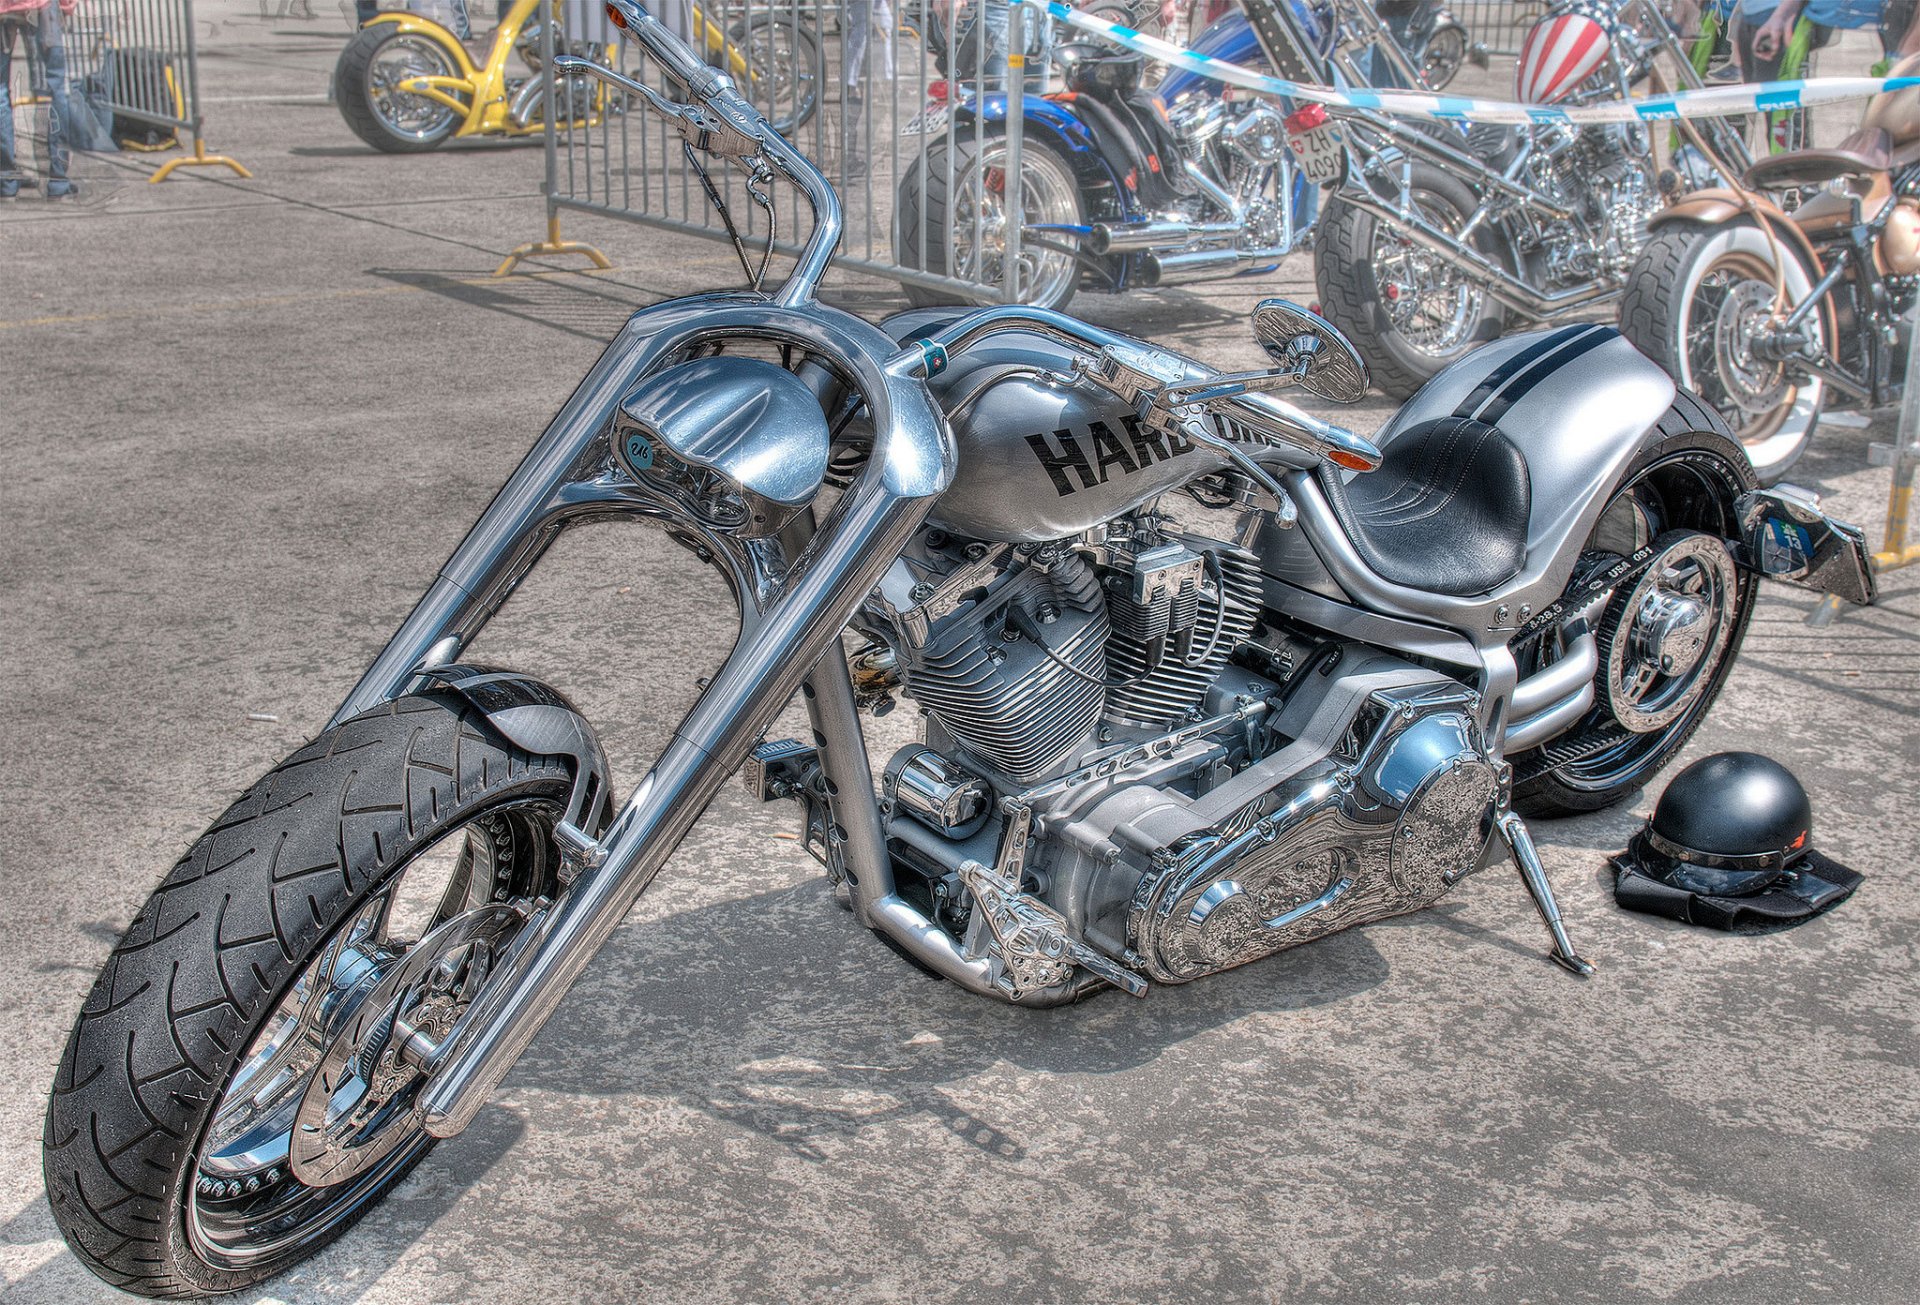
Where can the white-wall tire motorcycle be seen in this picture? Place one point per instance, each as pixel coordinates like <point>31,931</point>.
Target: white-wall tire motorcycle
<point>1693,303</point>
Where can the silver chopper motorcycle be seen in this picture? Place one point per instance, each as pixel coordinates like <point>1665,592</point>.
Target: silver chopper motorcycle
<point>1204,676</point>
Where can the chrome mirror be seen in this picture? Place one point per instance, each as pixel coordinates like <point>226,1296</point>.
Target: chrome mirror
<point>1311,349</point>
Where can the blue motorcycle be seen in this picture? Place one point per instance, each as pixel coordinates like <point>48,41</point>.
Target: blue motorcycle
<point>1120,186</point>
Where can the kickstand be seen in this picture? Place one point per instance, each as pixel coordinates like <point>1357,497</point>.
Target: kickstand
<point>1520,843</point>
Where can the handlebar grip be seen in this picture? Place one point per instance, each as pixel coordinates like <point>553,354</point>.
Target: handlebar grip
<point>1283,421</point>
<point>675,55</point>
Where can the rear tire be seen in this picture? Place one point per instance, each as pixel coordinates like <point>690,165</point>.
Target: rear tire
<point>1409,313</point>
<point>199,990</point>
<point>1692,296</point>
<point>391,121</point>
<point>923,209</point>
<point>1683,481</point>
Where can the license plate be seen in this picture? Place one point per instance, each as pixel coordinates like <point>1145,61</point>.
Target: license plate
<point>928,121</point>
<point>1321,153</point>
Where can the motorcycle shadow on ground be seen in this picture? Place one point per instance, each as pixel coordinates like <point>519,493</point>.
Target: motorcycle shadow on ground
<point>776,1013</point>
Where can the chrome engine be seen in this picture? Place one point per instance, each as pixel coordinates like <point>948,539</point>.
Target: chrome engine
<point>1235,164</point>
<point>1125,771</point>
<point>1601,175</point>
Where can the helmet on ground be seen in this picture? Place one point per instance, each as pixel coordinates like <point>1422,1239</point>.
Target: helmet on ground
<point>1729,825</point>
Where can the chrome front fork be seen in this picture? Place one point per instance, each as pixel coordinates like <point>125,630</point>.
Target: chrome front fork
<point>794,605</point>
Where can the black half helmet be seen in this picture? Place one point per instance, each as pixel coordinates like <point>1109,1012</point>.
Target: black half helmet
<point>1729,825</point>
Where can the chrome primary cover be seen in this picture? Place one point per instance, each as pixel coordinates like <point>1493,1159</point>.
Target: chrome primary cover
<point>1381,835</point>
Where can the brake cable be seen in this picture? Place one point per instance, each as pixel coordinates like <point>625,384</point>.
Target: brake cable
<point>760,197</point>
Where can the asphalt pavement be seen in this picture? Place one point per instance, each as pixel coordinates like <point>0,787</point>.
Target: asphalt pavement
<point>244,421</point>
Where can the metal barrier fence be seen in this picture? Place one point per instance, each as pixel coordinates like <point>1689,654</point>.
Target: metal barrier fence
<point>140,59</point>
<point>906,105</point>
<point>112,74</point>
<point>866,90</point>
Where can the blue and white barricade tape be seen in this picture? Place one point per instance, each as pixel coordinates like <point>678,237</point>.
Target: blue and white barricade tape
<point>1708,102</point>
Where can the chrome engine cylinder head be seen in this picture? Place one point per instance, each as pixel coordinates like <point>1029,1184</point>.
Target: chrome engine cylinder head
<point>1169,638</point>
<point>1011,704</point>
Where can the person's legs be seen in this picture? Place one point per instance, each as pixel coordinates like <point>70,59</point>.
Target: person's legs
<point>856,26</point>
<point>9,161</point>
<point>53,58</point>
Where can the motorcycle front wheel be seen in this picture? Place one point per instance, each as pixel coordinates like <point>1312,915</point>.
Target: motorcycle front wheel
<point>237,1090</point>
<point>1408,310</point>
<point>950,219</point>
<point>1696,302</point>
<point>1440,61</point>
<point>366,86</point>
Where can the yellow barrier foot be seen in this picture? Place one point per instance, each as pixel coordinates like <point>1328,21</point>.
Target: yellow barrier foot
<point>199,159</point>
<point>553,244</point>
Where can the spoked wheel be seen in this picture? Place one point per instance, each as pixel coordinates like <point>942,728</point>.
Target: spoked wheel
<point>1440,61</point>
<point>1702,302</point>
<point>367,84</point>
<point>243,1082</point>
<point>952,215</point>
<point>784,68</point>
<point>1667,638</point>
<point>1409,310</point>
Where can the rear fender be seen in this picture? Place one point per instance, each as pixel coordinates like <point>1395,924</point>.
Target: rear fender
<point>1055,122</point>
<point>1721,205</point>
<point>415,25</point>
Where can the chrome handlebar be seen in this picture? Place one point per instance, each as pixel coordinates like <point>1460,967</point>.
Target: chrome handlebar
<point>722,122</point>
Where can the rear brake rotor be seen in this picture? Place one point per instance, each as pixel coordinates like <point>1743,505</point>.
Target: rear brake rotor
<point>1749,379</point>
<point>1665,637</point>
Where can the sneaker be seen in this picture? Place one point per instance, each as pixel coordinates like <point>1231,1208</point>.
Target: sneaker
<point>61,188</point>
<point>9,187</point>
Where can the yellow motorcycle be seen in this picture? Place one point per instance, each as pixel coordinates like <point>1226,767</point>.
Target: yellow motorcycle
<point>406,84</point>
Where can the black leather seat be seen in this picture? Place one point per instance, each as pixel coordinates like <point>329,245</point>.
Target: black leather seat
<point>1446,511</point>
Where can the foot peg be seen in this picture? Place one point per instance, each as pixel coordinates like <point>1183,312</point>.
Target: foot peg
<point>1520,844</point>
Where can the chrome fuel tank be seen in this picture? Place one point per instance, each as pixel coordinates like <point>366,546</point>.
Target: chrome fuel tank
<point>1042,457</point>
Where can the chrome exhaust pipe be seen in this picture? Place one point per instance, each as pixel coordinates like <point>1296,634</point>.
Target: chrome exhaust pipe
<point>520,112</point>
<point>1127,237</point>
<point>1535,730</point>
<point>1559,681</point>
<point>1173,269</point>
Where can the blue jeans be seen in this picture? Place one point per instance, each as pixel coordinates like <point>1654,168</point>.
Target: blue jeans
<point>43,31</point>
<point>983,36</point>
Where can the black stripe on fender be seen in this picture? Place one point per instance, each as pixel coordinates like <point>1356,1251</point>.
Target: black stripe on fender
<point>1521,385</point>
<point>1506,371</point>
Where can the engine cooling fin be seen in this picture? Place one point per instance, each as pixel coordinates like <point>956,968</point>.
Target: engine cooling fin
<point>1164,696</point>
<point>1007,702</point>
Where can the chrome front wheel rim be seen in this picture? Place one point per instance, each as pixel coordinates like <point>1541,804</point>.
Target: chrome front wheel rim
<point>246,1200</point>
